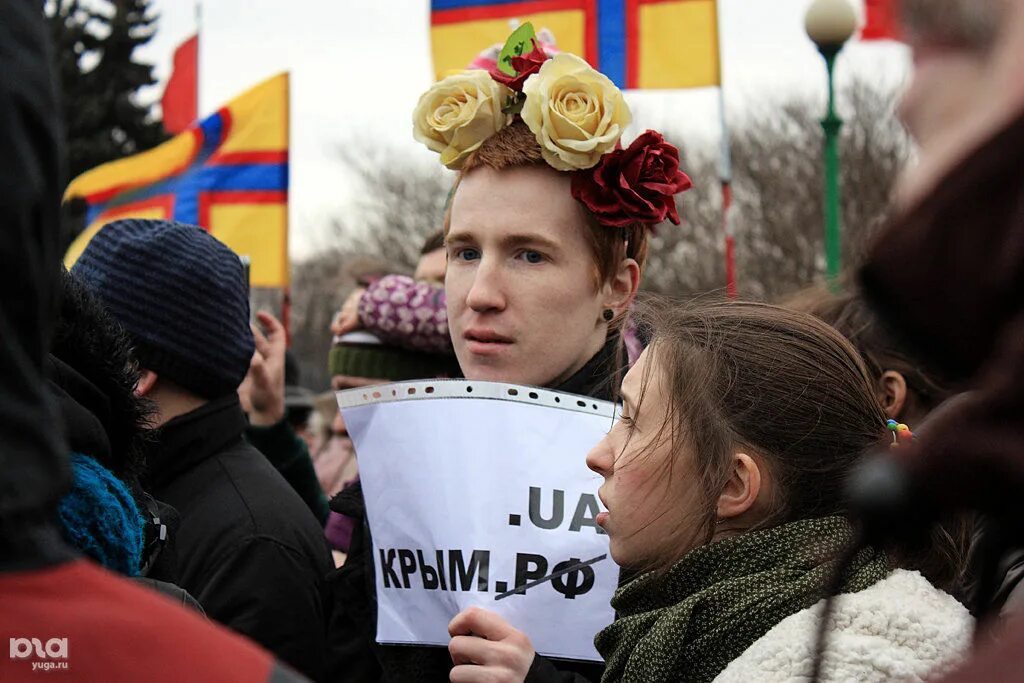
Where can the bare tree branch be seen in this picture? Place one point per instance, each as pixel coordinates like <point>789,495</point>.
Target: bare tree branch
<point>777,195</point>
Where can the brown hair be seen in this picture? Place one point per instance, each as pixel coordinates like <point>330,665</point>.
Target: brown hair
<point>515,145</point>
<point>781,385</point>
<point>850,314</point>
<point>433,242</point>
<point>942,558</point>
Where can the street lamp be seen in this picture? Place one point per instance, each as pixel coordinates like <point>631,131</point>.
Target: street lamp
<point>830,23</point>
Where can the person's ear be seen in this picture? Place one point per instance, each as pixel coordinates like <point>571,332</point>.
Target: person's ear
<point>621,289</point>
<point>147,380</point>
<point>741,489</point>
<point>892,391</point>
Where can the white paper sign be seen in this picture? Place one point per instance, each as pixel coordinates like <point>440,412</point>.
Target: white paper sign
<point>474,490</point>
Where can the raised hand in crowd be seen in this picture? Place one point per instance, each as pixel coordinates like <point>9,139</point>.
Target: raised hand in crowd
<point>407,312</point>
<point>347,319</point>
<point>262,395</point>
<point>262,391</point>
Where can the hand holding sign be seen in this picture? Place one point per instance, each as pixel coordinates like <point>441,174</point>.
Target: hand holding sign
<point>478,494</point>
<point>485,647</point>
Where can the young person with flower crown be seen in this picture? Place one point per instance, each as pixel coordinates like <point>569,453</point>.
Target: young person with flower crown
<point>546,238</point>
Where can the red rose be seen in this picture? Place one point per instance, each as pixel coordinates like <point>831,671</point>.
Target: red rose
<point>633,185</point>
<point>525,66</point>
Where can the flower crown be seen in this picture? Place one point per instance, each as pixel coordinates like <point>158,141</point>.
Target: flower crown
<point>577,115</point>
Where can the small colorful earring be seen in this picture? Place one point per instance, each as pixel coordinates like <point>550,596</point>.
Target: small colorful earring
<point>900,433</point>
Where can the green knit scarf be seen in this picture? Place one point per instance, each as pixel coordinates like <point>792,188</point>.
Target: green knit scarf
<point>688,623</point>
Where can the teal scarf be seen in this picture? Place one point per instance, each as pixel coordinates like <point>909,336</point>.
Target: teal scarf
<point>687,624</point>
<point>98,516</point>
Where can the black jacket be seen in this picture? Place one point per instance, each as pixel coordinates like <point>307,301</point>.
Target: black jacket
<point>289,455</point>
<point>248,548</point>
<point>354,647</point>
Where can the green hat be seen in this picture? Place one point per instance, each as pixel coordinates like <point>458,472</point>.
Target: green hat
<point>360,354</point>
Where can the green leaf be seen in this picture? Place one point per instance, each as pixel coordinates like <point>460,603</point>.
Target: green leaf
<point>514,104</point>
<point>519,42</point>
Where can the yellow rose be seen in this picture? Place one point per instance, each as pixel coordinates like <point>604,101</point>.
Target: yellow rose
<point>458,113</point>
<point>576,112</point>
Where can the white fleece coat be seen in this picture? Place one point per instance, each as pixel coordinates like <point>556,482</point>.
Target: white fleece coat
<point>900,629</point>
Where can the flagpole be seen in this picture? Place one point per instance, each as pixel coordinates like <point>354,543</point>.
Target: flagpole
<point>199,27</point>
<point>286,298</point>
<point>725,174</point>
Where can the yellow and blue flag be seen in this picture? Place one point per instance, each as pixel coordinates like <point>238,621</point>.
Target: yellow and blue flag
<point>636,43</point>
<point>227,173</point>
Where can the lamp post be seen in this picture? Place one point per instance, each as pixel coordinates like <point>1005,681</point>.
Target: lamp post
<point>830,23</point>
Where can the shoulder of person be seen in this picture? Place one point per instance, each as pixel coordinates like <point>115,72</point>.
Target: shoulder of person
<point>252,474</point>
<point>243,497</point>
<point>902,627</point>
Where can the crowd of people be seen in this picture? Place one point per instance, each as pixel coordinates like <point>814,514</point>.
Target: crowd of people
<point>173,506</point>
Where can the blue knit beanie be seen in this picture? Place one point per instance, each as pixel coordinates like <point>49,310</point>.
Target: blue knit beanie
<point>98,516</point>
<point>180,294</point>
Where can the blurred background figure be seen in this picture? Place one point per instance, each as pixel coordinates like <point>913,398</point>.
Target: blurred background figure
<point>298,402</point>
<point>408,312</point>
<point>962,88</point>
<point>946,275</point>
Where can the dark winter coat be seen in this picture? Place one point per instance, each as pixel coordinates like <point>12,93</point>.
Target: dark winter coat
<point>289,455</point>
<point>248,548</point>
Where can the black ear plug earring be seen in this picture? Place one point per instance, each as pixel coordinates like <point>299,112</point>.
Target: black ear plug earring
<point>608,315</point>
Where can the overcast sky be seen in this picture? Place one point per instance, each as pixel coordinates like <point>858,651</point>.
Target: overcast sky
<point>358,67</point>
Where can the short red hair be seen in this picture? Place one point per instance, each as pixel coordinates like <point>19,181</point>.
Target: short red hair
<point>515,145</point>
